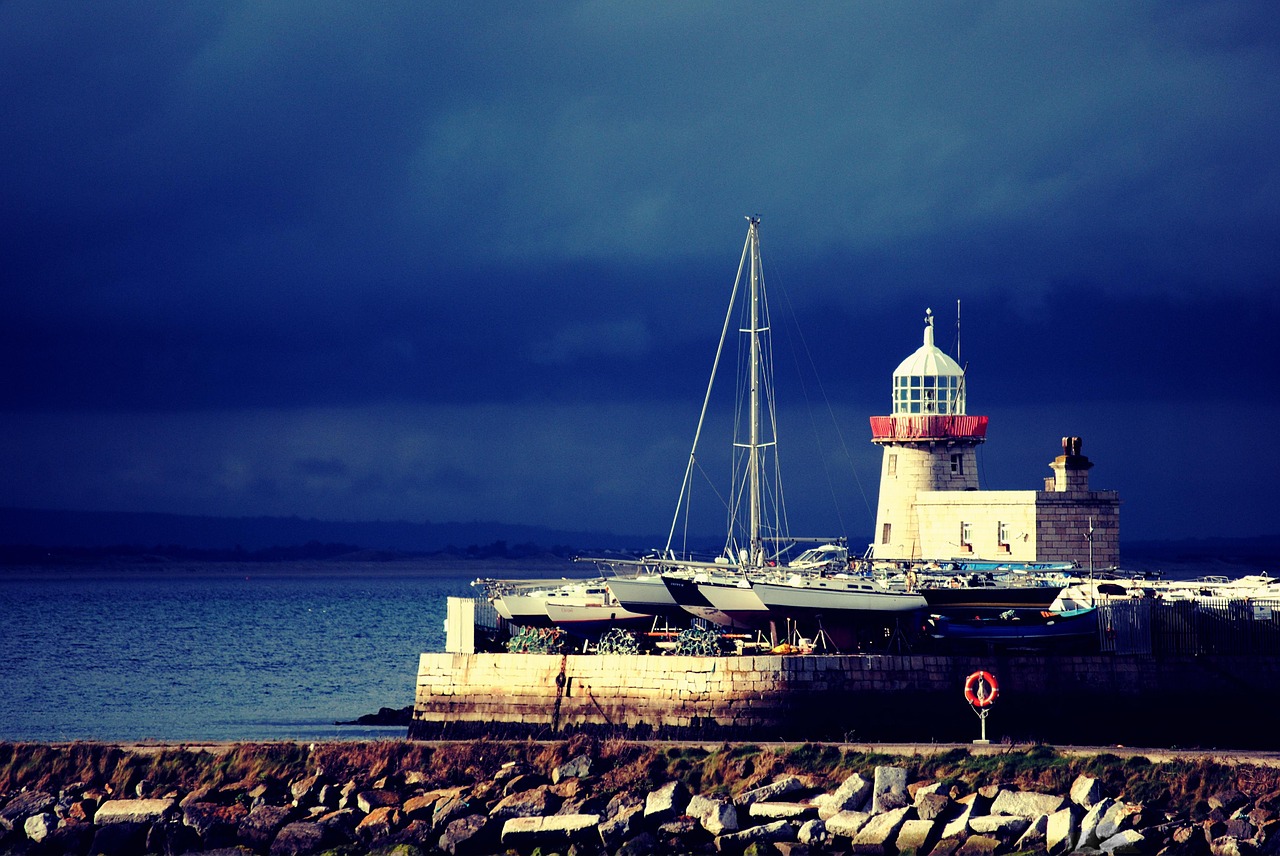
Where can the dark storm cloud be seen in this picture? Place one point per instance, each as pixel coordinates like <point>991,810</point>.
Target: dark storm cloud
<point>230,210</point>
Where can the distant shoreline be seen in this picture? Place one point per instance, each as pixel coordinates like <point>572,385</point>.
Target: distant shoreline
<point>403,567</point>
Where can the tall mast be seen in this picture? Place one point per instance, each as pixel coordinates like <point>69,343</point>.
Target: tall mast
<point>753,464</point>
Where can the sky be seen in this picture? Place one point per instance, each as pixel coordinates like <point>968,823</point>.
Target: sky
<point>470,261</point>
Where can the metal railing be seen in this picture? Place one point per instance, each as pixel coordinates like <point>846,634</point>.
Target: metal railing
<point>1201,626</point>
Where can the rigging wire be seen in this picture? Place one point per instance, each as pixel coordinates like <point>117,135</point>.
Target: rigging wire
<point>799,337</point>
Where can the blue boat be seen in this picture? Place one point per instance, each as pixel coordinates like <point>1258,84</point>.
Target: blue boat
<point>1018,627</point>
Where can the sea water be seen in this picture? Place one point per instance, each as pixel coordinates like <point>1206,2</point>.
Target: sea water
<point>225,652</point>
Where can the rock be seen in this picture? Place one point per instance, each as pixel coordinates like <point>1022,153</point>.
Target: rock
<point>932,805</point>
<point>134,811</point>
<point>889,789</point>
<point>643,844</point>
<point>299,838</point>
<point>267,793</point>
<point>1061,831</point>
<point>733,842</point>
<point>329,796</point>
<point>623,801</point>
<point>306,792</point>
<point>367,801</point>
<point>449,809</point>
<point>379,825</point>
<point>474,833</point>
<point>420,807</point>
<point>847,823</point>
<point>625,824</point>
<point>69,837</point>
<point>24,805</point>
<point>1123,843</point>
<point>773,790</point>
<point>679,834</point>
<point>852,795</point>
<point>1006,827</point>
<point>1119,817</point>
<point>958,826</point>
<point>524,782</point>
<point>216,825</point>
<point>1228,846</point>
<point>1238,827</point>
<point>878,834</point>
<point>119,839</point>
<point>576,768</point>
<point>81,810</point>
<point>260,826</point>
<point>554,831</point>
<point>538,802</point>
<point>812,833</point>
<point>948,846</point>
<point>1228,799</point>
<point>1028,804</point>
<point>715,816</point>
<point>341,825</point>
<point>916,836</point>
<point>40,826</point>
<point>1033,839</point>
<point>172,836</point>
<point>1085,791</point>
<point>1089,823</point>
<point>978,845</point>
<point>782,810</point>
<point>510,770</point>
<point>665,803</point>
<point>769,848</point>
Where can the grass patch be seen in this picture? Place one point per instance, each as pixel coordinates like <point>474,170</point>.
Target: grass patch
<point>725,770</point>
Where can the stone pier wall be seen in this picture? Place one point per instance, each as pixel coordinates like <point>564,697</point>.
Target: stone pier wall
<point>1059,699</point>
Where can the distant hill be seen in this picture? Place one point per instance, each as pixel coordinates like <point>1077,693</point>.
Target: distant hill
<point>21,527</point>
<point>24,533</point>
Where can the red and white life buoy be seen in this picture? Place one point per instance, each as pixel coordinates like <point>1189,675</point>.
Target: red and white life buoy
<point>981,689</point>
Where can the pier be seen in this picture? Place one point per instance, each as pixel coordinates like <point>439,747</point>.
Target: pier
<point>1179,674</point>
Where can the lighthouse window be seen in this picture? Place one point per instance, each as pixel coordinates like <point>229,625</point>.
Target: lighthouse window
<point>1002,533</point>
<point>891,468</point>
<point>965,535</point>
<point>884,533</point>
<point>957,465</point>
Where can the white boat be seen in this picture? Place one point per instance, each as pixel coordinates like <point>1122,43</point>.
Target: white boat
<point>592,619</point>
<point>530,603</point>
<point>835,597</point>
<point>646,593</point>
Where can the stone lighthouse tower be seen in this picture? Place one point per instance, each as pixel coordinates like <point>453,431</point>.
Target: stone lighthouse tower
<point>929,445</point>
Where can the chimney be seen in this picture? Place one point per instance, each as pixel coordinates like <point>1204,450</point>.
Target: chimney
<point>1070,469</point>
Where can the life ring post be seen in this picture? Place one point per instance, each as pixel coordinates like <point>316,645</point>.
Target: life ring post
<point>981,691</point>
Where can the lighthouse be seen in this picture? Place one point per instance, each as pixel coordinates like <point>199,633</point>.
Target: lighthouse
<point>929,444</point>
<point>931,507</point>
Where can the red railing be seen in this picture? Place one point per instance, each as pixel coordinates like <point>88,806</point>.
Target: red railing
<point>928,427</point>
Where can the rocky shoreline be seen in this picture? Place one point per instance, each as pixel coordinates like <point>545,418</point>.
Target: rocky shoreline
<point>586,797</point>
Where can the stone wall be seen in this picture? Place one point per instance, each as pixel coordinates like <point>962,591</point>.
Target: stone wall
<point>1063,518</point>
<point>1041,526</point>
<point>905,471</point>
<point>1058,699</point>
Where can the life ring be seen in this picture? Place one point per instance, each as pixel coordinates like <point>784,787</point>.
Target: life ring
<point>978,695</point>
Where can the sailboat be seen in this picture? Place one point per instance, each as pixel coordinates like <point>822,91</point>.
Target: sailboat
<point>720,589</point>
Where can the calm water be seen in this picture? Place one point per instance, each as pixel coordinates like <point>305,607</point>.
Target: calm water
<point>215,652</point>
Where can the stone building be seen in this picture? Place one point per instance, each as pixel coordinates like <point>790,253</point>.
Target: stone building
<point>930,505</point>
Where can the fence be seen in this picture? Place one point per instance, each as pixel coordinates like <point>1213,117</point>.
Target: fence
<point>1204,626</point>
